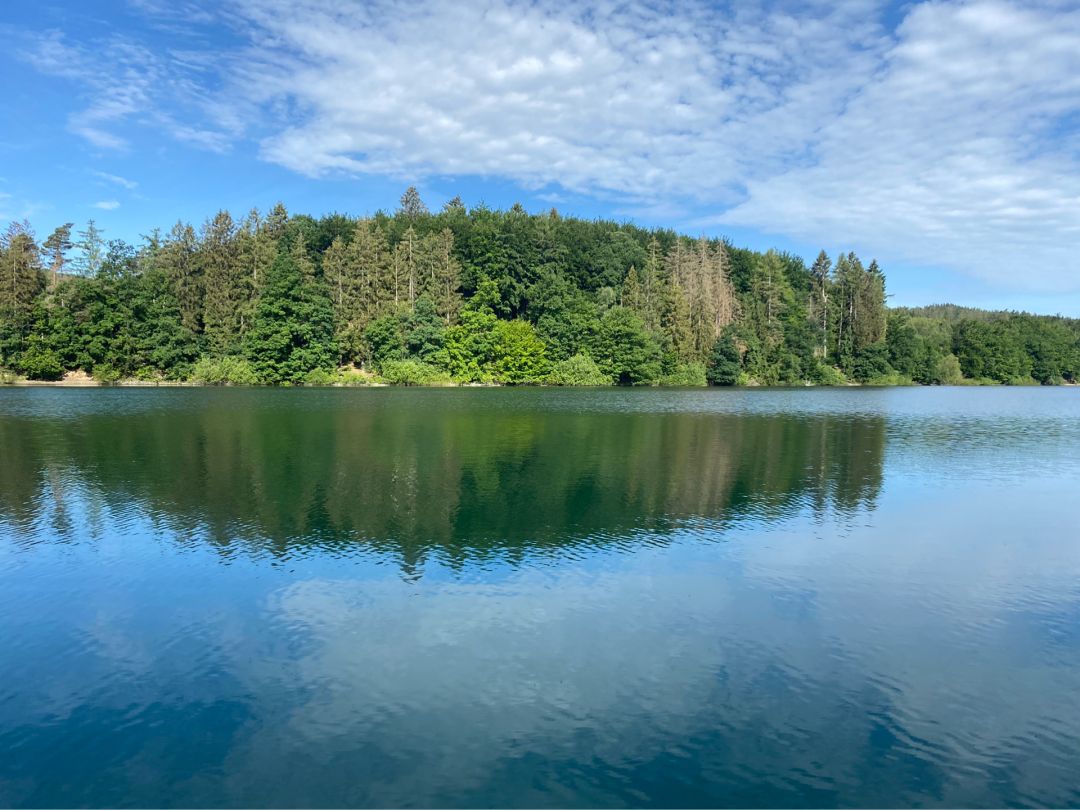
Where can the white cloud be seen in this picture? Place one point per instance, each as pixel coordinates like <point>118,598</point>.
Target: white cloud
<point>618,102</point>
<point>116,180</point>
<point>124,81</point>
<point>107,205</point>
<point>950,141</point>
<point>954,154</point>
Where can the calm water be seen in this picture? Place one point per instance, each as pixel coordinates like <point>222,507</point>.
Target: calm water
<point>539,597</point>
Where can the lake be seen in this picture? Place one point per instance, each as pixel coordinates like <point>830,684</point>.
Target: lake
<point>514,597</point>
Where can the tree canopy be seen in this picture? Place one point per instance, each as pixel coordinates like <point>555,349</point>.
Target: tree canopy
<point>479,295</point>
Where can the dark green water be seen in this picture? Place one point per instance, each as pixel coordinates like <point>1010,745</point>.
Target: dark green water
<point>539,597</point>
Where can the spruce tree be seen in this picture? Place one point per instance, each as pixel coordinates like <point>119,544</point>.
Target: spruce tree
<point>55,249</point>
<point>225,283</point>
<point>293,331</point>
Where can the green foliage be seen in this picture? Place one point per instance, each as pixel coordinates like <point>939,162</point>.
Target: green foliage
<point>828,375</point>
<point>871,362</point>
<point>7,377</point>
<point>626,351</point>
<point>106,374</point>
<point>520,354</point>
<point>487,296</point>
<point>725,361</point>
<point>321,376</point>
<point>224,371</point>
<point>469,352</point>
<point>384,340</point>
<point>39,362</point>
<point>947,371</point>
<point>293,332</point>
<point>579,370</point>
<point>413,372</point>
<point>686,375</point>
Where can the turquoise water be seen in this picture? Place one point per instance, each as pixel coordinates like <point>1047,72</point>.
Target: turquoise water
<point>228,597</point>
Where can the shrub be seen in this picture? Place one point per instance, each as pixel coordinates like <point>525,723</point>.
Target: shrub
<point>224,371</point>
<point>7,377</point>
<point>103,372</point>
<point>352,376</point>
<point>413,372</point>
<point>38,363</point>
<point>580,370</point>
<point>686,375</point>
<point>892,378</point>
<point>829,375</point>
<point>947,371</point>
<point>320,376</point>
<point>147,374</point>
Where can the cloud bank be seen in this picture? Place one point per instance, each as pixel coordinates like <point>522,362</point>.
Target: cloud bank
<point>941,133</point>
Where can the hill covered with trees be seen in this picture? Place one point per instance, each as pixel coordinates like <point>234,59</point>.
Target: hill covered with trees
<point>478,295</point>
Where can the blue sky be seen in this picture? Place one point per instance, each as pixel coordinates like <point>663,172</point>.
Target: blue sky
<point>942,138</point>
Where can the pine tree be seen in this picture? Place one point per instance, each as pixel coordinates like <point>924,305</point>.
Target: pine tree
<point>444,274</point>
<point>91,246</point>
<point>411,205</point>
<point>374,287</point>
<point>821,281</point>
<point>293,331</point>
<point>22,276</point>
<point>870,327</point>
<point>675,320</point>
<point>256,248</point>
<point>407,258</point>
<point>630,297</point>
<point>652,285</point>
<point>225,282</point>
<point>21,281</point>
<point>454,205</point>
<point>55,249</point>
<point>178,259</point>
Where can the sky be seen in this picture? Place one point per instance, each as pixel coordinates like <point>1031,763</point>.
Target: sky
<point>941,138</point>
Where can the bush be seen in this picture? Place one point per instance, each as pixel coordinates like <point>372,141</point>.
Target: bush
<point>351,376</point>
<point>105,373</point>
<point>686,375</point>
<point>579,370</point>
<point>148,374</point>
<point>320,376</point>
<point>7,377</point>
<point>891,379</point>
<point>829,375</point>
<point>947,371</point>
<point>224,371</point>
<point>413,372</point>
<point>38,363</point>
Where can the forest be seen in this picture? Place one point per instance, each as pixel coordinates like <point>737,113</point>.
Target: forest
<point>476,295</point>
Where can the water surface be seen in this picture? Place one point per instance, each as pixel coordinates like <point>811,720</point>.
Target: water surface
<point>539,597</point>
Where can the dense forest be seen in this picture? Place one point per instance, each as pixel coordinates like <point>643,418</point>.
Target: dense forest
<point>479,295</point>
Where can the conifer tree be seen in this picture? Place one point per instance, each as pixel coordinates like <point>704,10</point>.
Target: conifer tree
<point>22,276</point>
<point>821,281</point>
<point>55,249</point>
<point>226,283</point>
<point>443,276</point>
<point>178,259</point>
<point>630,297</point>
<point>412,207</point>
<point>293,331</point>
<point>91,247</point>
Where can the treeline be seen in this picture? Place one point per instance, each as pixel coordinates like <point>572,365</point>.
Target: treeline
<point>478,295</point>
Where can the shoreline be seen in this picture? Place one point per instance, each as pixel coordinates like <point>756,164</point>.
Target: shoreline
<point>91,383</point>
